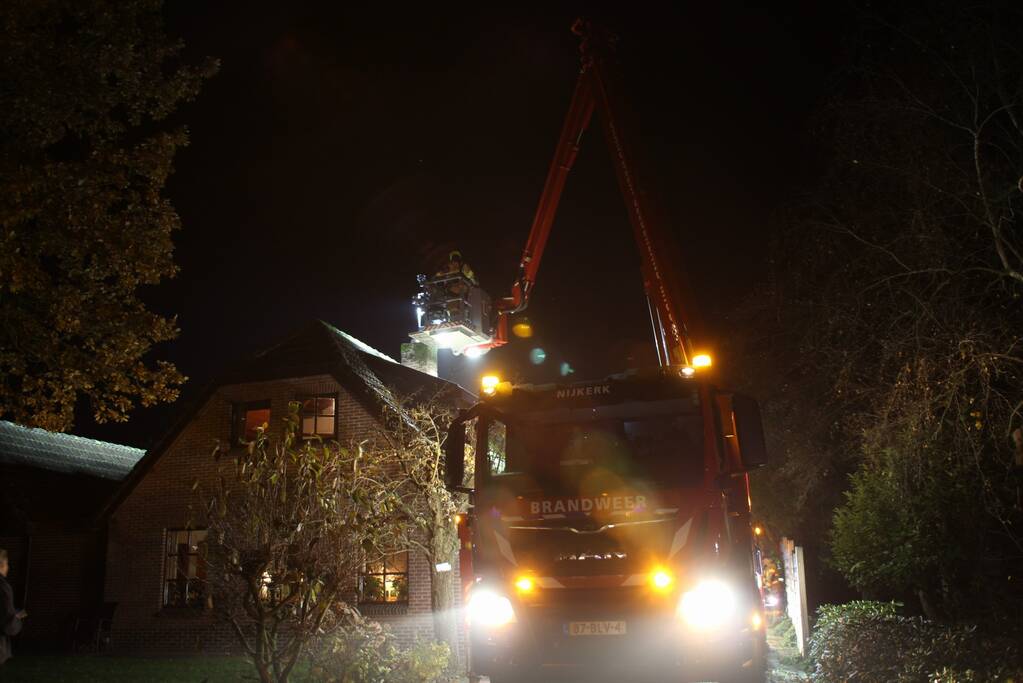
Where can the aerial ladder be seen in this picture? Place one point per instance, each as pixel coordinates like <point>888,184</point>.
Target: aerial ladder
<point>596,88</point>
<point>588,512</point>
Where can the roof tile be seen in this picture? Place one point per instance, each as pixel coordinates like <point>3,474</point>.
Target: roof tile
<point>65,453</point>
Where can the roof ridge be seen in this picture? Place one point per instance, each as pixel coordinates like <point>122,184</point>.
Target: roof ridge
<point>72,438</point>
<point>358,343</point>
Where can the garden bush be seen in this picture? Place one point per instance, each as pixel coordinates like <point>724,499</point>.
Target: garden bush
<point>363,651</point>
<point>871,642</point>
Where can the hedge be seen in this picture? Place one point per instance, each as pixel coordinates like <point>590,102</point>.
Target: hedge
<point>871,642</point>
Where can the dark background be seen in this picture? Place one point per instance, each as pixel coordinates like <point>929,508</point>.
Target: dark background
<point>340,151</point>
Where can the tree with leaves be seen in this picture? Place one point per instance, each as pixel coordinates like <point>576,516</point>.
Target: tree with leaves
<point>87,87</point>
<point>409,449</point>
<point>291,523</point>
<point>899,288</point>
<point>928,346</point>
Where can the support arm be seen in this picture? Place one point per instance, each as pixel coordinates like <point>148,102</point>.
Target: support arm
<point>580,112</point>
<point>594,88</point>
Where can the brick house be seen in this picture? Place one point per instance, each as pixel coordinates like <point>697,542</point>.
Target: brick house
<point>52,486</point>
<point>154,563</point>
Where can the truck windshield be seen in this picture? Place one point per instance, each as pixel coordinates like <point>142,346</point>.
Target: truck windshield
<point>558,456</point>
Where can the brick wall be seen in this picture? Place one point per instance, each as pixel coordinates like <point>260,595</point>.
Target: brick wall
<point>160,501</point>
<point>62,571</point>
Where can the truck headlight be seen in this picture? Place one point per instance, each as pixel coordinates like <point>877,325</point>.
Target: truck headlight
<point>707,606</point>
<point>490,609</point>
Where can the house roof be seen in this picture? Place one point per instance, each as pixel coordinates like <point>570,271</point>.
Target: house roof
<point>65,453</point>
<point>374,378</point>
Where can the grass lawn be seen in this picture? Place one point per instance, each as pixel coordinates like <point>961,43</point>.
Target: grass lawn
<point>96,668</point>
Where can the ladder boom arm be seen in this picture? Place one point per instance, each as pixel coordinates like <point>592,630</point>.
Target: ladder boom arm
<point>595,88</point>
<point>580,111</point>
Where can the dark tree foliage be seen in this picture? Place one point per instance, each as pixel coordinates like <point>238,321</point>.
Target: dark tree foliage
<point>410,447</point>
<point>290,522</point>
<point>889,344</point>
<point>85,85</point>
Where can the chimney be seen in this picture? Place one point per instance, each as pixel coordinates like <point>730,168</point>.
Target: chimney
<point>421,357</point>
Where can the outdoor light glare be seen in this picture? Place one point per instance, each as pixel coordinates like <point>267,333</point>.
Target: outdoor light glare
<point>489,384</point>
<point>661,579</point>
<point>490,609</point>
<point>688,371</point>
<point>756,621</point>
<point>757,530</point>
<point>522,329</point>
<point>473,352</point>
<point>707,606</point>
<point>701,360</point>
<point>524,584</point>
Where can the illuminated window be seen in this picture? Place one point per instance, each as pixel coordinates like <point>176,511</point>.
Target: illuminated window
<point>385,580</point>
<point>319,416</point>
<point>248,417</point>
<point>497,440</point>
<point>272,590</point>
<point>184,574</point>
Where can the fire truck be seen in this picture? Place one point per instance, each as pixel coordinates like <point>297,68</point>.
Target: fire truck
<point>610,525</point>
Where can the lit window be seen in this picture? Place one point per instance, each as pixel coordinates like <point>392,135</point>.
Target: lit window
<point>319,416</point>
<point>184,573</point>
<point>385,580</point>
<point>248,418</point>
<point>497,441</point>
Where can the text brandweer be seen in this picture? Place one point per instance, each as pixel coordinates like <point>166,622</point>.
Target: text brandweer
<point>601,504</point>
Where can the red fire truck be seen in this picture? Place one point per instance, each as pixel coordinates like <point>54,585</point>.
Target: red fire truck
<point>610,520</point>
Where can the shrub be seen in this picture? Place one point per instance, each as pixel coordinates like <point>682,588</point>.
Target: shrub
<point>870,641</point>
<point>362,651</point>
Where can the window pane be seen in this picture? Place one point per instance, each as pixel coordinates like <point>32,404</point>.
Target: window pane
<point>386,580</point>
<point>397,563</point>
<point>172,595</point>
<point>325,425</point>
<point>308,424</point>
<point>309,406</point>
<point>185,568</point>
<point>373,588</point>
<point>496,440</point>
<point>177,592</point>
<point>173,539</point>
<point>326,406</point>
<point>254,418</point>
<point>396,588</point>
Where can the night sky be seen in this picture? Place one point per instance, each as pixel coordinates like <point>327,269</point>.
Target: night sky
<point>341,151</point>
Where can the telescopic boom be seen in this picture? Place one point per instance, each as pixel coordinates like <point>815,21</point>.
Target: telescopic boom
<point>596,88</point>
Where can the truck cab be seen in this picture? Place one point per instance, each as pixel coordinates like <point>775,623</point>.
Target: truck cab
<point>610,529</point>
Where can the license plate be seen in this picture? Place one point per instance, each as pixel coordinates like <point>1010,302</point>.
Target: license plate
<point>596,628</point>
